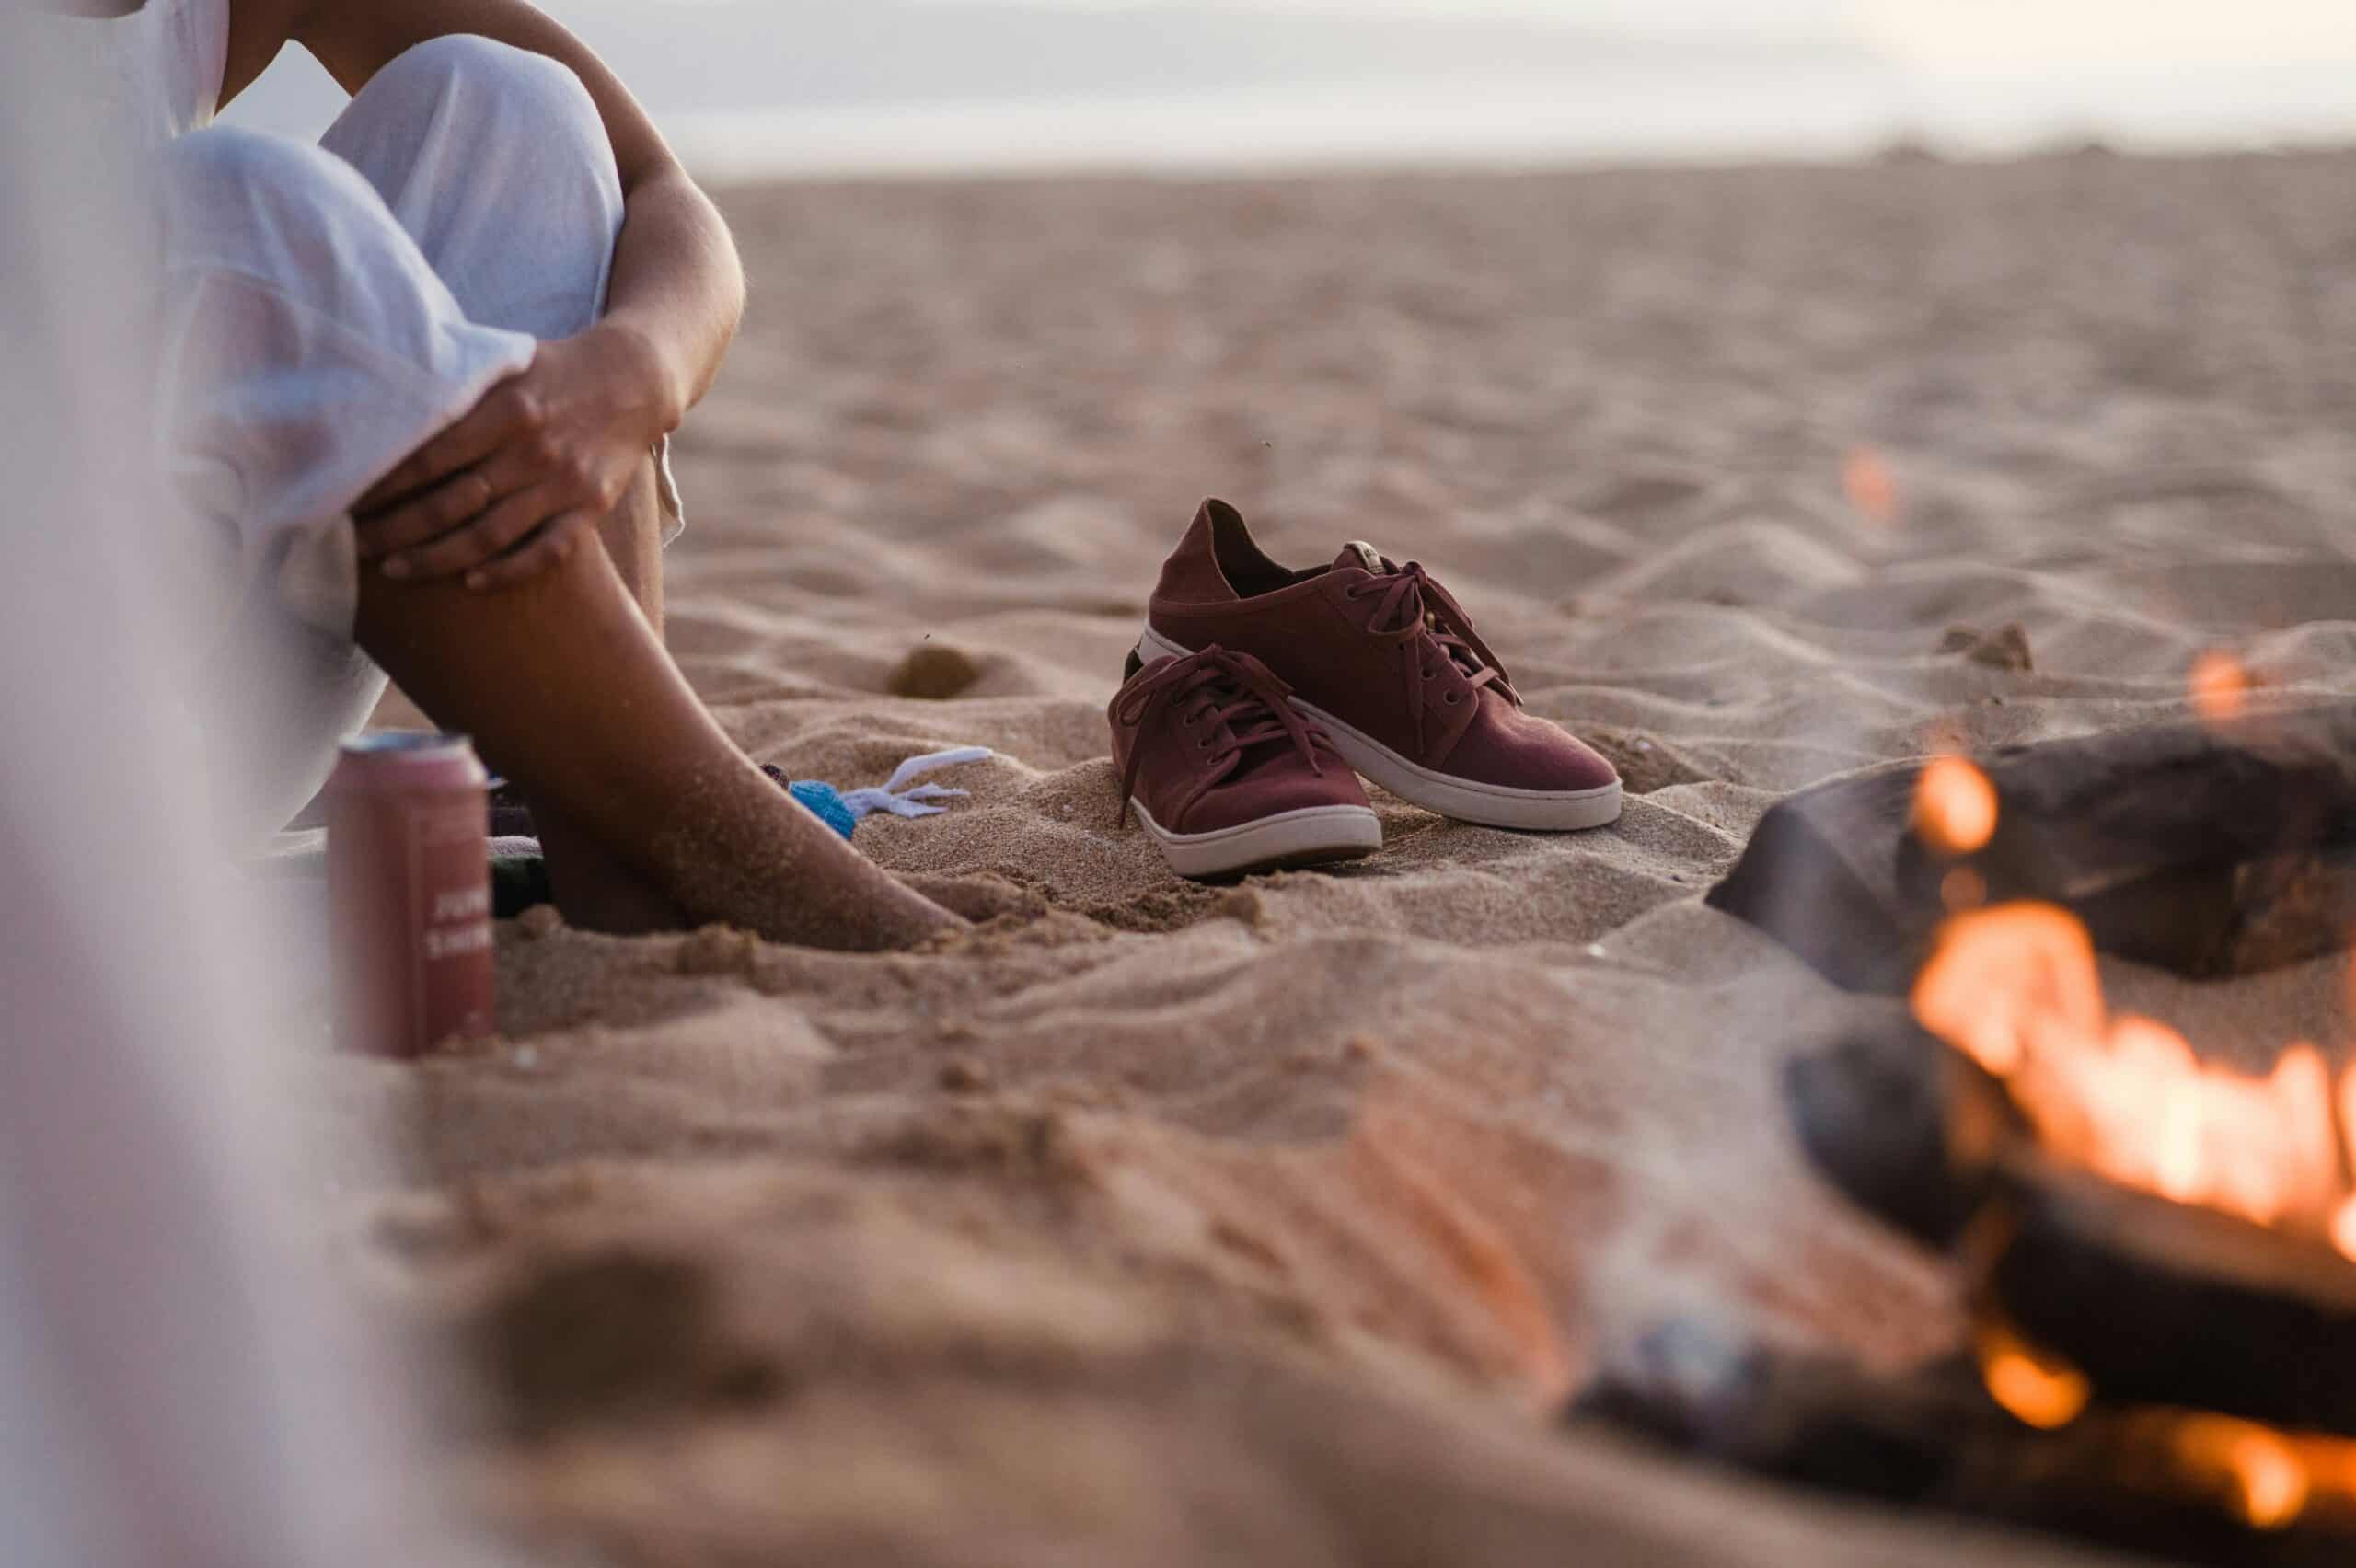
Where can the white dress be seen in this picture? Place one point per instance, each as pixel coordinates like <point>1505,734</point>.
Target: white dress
<point>327,309</point>
<point>160,66</point>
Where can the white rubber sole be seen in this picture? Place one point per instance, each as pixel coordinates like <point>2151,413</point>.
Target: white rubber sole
<point>1491,805</point>
<point>1314,836</point>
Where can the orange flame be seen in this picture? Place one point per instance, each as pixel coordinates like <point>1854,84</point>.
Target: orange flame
<point>2041,1390</point>
<point>2015,987</point>
<point>1871,488</point>
<point>2219,687</point>
<point>1954,807</point>
<point>1962,889</point>
<point>2272,1480</point>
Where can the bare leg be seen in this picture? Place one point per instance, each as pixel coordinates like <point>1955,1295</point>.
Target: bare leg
<point>633,538</point>
<point>562,683</point>
<point>596,889</point>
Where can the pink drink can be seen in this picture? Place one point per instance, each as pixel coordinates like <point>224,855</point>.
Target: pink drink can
<point>408,892</point>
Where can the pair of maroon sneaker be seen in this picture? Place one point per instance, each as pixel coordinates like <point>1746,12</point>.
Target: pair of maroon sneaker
<point>1259,693</point>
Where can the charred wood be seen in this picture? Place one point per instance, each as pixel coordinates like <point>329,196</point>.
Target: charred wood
<point>2209,849</point>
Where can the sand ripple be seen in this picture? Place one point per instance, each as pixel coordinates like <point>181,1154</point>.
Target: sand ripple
<point>1160,1224</point>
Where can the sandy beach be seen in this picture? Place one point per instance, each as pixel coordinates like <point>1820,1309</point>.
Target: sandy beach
<point>1154,1223</point>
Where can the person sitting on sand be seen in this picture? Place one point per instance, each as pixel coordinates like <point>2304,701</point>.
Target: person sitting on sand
<point>417,384</point>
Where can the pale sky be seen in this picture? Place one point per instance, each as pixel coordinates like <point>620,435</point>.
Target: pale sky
<point>1954,34</point>
<point>2011,34</point>
<point>1969,75</point>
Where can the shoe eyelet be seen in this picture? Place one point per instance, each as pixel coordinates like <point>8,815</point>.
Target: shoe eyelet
<point>1453,698</point>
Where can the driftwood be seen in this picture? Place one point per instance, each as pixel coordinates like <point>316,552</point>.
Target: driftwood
<point>2158,1303</point>
<point>2163,1303</point>
<point>1933,1438</point>
<point>1908,1128</point>
<point>2209,849</point>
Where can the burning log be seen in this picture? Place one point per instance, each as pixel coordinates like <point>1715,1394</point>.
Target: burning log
<point>2210,849</point>
<point>2149,1372</point>
<point>1898,1122</point>
<point>2187,1487</point>
<point>2150,1299</point>
<point>2166,1303</point>
<point>2158,1252</point>
<point>2153,1301</point>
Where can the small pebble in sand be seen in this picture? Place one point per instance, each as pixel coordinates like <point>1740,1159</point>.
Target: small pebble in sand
<point>965,1075</point>
<point>1246,904</point>
<point>1595,950</point>
<point>528,1058</point>
<point>717,950</point>
<point>540,920</point>
<point>2007,648</point>
<point>934,672</point>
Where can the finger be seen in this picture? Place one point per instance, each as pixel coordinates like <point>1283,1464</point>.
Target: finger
<point>492,534</point>
<point>435,461</point>
<point>449,505</point>
<point>507,410</point>
<point>557,539</point>
<point>510,472</point>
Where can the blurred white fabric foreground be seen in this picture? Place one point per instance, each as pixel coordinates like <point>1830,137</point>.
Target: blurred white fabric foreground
<point>173,1390</point>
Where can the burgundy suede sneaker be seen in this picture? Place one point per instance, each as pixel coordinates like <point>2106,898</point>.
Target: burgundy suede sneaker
<point>1387,664</point>
<point>1227,777</point>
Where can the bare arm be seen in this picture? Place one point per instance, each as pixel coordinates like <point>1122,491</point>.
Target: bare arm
<point>555,448</point>
<point>677,279</point>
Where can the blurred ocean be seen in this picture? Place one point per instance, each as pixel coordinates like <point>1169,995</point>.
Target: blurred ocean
<point>757,88</point>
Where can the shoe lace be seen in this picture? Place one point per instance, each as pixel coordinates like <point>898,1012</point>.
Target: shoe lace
<point>1238,701</point>
<point>1424,619</point>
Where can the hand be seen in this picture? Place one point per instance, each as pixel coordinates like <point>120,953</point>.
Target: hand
<point>511,488</point>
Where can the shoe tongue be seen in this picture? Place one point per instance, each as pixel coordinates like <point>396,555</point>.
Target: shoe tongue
<point>1360,554</point>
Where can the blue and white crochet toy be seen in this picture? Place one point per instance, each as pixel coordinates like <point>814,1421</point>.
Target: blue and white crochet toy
<point>900,796</point>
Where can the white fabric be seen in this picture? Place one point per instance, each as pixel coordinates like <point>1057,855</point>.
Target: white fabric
<point>902,796</point>
<point>157,71</point>
<point>327,309</point>
<point>176,1388</point>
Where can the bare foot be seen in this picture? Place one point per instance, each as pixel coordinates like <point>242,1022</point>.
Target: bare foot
<point>890,917</point>
<point>561,679</point>
<point>754,859</point>
<point>977,898</point>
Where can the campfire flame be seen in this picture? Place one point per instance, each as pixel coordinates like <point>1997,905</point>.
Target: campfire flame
<point>2219,687</point>
<point>1870,486</point>
<point>2270,1477</point>
<point>2270,1481</point>
<point>2015,987</point>
<point>2041,1390</point>
<point>1955,808</point>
